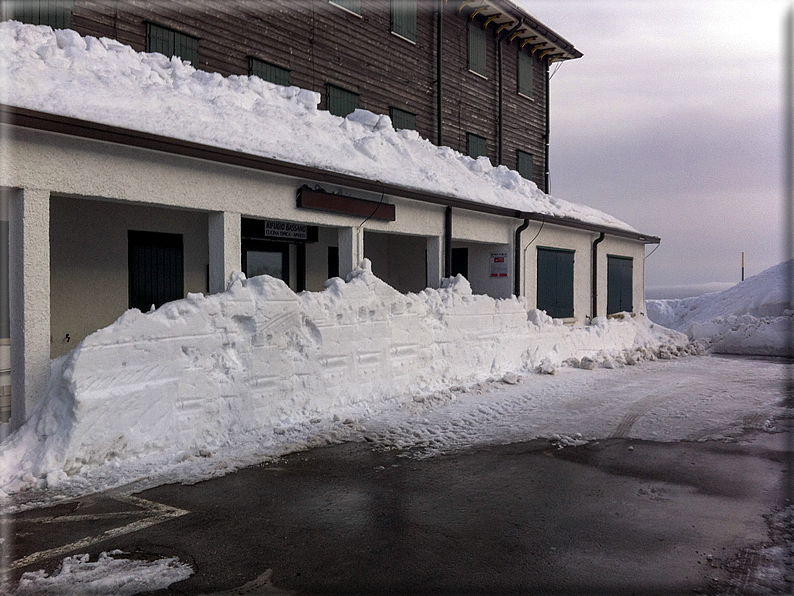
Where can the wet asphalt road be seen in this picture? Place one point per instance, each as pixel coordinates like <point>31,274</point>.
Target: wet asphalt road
<point>615,517</point>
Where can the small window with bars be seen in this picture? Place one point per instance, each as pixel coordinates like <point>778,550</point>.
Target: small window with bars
<point>401,119</point>
<point>476,145</point>
<point>268,71</point>
<point>403,18</point>
<point>524,164</point>
<point>54,13</point>
<point>170,42</point>
<point>477,52</point>
<point>353,6</point>
<point>341,102</point>
<point>526,74</point>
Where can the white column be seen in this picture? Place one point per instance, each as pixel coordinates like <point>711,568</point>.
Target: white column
<point>351,249</point>
<point>29,300</point>
<point>225,252</point>
<point>435,261</point>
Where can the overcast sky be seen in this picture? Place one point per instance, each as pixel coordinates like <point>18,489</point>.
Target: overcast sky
<point>673,122</point>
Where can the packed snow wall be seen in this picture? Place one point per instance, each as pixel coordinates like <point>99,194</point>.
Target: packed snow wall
<point>259,358</point>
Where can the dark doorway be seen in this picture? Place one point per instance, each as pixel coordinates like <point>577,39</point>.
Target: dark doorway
<point>555,282</point>
<point>460,262</point>
<point>156,269</point>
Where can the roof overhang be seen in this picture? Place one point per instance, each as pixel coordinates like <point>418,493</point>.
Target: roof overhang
<point>519,28</point>
<point>25,118</point>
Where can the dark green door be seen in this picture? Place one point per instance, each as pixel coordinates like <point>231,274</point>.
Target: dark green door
<point>619,284</point>
<point>555,282</point>
<point>156,269</point>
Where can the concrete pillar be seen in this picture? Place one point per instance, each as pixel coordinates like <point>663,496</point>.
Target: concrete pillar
<point>435,261</point>
<point>224,246</point>
<point>29,300</point>
<point>351,249</point>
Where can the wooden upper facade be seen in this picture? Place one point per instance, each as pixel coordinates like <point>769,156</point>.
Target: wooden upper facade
<point>379,55</point>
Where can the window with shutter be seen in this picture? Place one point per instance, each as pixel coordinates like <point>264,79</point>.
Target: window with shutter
<point>477,48</point>
<point>54,13</point>
<point>476,145</point>
<point>340,101</point>
<point>170,42</point>
<point>524,164</point>
<point>403,18</point>
<point>401,119</point>
<point>525,74</point>
<point>268,71</point>
<point>555,282</point>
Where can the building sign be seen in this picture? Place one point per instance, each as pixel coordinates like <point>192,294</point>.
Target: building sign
<point>498,264</point>
<point>285,230</point>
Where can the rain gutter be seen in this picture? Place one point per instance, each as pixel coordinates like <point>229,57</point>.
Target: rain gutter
<point>53,123</point>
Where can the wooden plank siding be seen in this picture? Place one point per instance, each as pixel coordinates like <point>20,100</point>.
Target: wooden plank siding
<point>322,43</point>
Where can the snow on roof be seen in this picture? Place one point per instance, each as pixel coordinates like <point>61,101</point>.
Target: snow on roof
<point>104,81</point>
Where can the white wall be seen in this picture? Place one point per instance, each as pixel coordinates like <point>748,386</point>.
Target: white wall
<point>89,279</point>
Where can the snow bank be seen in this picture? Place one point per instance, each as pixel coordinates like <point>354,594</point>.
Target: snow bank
<point>753,317</point>
<point>109,574</point>
<point>104,81</point>
<point>257,360</point>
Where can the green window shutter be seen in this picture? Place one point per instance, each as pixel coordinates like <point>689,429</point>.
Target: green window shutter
<point>351,5</point>
<point>401,119</point>
<point>268,72</point>
<point>524,164</point>
<point>172,43</point>
<point>619,284</point>
<point>555,282</point>
<point>526,73</point>
<point>54,13</point>
<point>187,48</point>
<point>477,48</point>
<point>476,145</point>
<point>340,101</point>
<point>403,18</point>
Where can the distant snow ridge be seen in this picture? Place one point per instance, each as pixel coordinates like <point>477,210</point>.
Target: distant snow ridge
<point>753,317</point>
<point>102,80</point>
<point>259,364</point>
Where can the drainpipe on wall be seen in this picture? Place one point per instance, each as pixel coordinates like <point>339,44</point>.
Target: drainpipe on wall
<point>596,242</point>
<point>499,91</point>
<point>448,242</point>
<point>517,258</point>
<point>439,43</point>
<point>547,187</point>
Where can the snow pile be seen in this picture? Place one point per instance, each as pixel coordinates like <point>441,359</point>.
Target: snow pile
<point>753,317</point>
<point>257,361</point>
<point>103,81</point>
<point>109,574</point>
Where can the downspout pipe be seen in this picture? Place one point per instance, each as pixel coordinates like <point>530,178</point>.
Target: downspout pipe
<point>596,242</point>
<point>439,62</point>
<point>546,183</point>
<point>517,258</point>
<point>448,242</point>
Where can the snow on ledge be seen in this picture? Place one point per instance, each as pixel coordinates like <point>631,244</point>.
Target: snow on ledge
<point>252,362</point>
<point>104,81</point>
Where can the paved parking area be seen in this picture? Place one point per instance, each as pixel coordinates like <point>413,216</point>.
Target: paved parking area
<point>614,517</point>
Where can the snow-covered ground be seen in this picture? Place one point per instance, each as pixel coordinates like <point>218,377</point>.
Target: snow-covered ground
<point>102,80</point>
<point>753,317</point>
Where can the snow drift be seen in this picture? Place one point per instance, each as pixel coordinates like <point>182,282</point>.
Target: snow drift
<point>102,80</point>
<point>249,363</point>
<point>753,317</point>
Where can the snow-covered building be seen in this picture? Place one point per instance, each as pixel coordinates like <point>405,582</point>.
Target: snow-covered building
<point>130,178</point>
